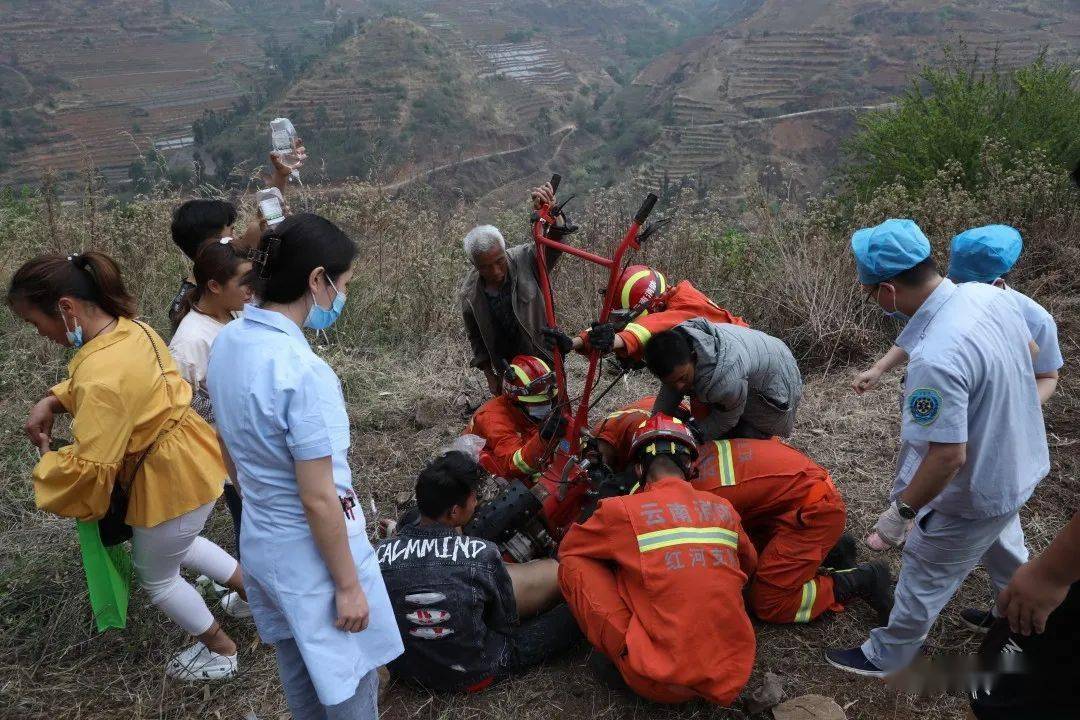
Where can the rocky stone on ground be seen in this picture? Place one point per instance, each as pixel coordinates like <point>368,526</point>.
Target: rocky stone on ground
<point>809,707</point>
<point>767,695</point>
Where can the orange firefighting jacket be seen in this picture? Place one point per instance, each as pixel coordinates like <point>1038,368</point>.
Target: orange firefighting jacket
<point>513,446</point>
<point>683,303</point>
<point>678,559</point>
<point>788,478</point>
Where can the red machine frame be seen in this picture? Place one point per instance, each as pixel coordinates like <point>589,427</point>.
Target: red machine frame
<point>561,479</point>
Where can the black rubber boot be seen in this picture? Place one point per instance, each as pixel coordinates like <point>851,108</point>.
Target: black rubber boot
<point>869,581</point>
<point>606,672</point>
<point>842,556</point>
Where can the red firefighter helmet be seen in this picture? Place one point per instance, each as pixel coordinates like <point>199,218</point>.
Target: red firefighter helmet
<point>663,435</point>
<point>639,287</point>
<point>529,380</point>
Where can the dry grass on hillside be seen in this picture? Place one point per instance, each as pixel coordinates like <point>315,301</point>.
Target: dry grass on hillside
<point>402,363</point>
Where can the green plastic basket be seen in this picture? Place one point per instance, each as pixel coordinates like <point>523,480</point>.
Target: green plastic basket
<point>108,577</point>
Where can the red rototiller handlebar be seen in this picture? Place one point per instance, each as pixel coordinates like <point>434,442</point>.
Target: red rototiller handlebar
<point>530,517</point>
<point>565,464</point>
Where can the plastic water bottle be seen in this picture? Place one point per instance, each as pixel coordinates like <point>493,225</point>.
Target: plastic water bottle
<point>282,137</point>
<point>271,205</point>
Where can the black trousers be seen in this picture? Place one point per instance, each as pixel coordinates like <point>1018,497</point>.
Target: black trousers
<point>235,505</point>
<point>1048,689</point>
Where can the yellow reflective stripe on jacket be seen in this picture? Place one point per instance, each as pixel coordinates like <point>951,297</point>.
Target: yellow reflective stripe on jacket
<point>520,464</point>
<point>659,539</point>
<point>620,413</point>
<point>724,460</point>
<point>639,332</point>
<point>809,597</point>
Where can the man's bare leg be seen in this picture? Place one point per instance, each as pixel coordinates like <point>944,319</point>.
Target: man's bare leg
<point>536,586</point>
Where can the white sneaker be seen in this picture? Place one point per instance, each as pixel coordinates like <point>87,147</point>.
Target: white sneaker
<point>199,662</point>
<point>235,606</point>
<point>208,588</point>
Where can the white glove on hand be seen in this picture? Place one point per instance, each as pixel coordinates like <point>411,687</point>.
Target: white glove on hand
<point>891,528</point>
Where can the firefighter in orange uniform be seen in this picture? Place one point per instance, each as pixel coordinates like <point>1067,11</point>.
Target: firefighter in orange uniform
<point>519,425</point>
<point>615,433</point>
<point>656,579</point>
<point>653,307</point>
<point>794,515</point>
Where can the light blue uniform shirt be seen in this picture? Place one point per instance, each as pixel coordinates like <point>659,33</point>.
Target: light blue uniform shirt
<point>970,380</point>
<point>1043,330</point>
<point>277,402</point>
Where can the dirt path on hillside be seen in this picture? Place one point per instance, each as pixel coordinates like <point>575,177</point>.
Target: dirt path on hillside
<point>477,158</point>
<point>785,116</point>
<point>546,166</point>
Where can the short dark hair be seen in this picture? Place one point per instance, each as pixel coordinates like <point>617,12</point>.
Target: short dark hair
<point>196,221</point>
<point>666,351</point>
<point>681,460</point>
<point>289,252</point>
<point>918,275</point>
<point>448,480</point>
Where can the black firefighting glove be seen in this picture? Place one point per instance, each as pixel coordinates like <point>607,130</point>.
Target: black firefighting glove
<point>602,337</point>
<point>554,425</point>
<point>695,430</point>
<point>600,475</point>
<point>558,232</point>
<point>555,338</point>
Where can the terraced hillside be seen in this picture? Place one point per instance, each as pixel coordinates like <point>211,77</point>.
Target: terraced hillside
<point>108,80</point>
<point>734,103</point>
<point>444,81</point>
<point>101,82</point>
<point>396,89</point>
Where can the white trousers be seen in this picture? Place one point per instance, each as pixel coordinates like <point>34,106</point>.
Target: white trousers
<point>159,552</point>
<point>939,554</point>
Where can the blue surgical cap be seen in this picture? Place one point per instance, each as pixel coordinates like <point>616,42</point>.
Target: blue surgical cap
<point>884,251</point>
<point>984,254</point>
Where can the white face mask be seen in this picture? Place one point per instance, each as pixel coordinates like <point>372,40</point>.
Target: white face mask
<point>539,412</point>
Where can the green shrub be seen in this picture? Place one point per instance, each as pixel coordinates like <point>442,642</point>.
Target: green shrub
<point>948,113</point>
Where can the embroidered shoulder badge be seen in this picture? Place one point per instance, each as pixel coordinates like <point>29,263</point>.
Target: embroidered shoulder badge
<point>924,405</point>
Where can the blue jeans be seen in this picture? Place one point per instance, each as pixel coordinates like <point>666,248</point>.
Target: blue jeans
<point>540,639</point>
<point>939,554</point>
<point>304,702</point>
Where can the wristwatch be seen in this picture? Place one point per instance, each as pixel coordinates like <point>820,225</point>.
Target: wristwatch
<point>906,511</point>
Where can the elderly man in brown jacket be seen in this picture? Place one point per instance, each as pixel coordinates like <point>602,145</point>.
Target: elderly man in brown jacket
<point>501,300</point>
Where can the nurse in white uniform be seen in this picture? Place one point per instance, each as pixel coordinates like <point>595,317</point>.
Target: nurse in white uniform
<point>971,403</point>
<point>987,254</point>
<point>982,255</point>
<point>314,585</point>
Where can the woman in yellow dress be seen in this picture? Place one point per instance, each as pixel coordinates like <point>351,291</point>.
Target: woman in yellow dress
<point>132,424</point>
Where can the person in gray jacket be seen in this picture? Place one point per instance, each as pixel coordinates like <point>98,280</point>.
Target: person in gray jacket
<point>741,382</point>
<point>501,301</point>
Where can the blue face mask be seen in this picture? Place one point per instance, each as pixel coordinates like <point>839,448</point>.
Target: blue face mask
<point>74,337</point>
<point>895,313</point>
<point>319,318</point>
<point>539,412</point>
